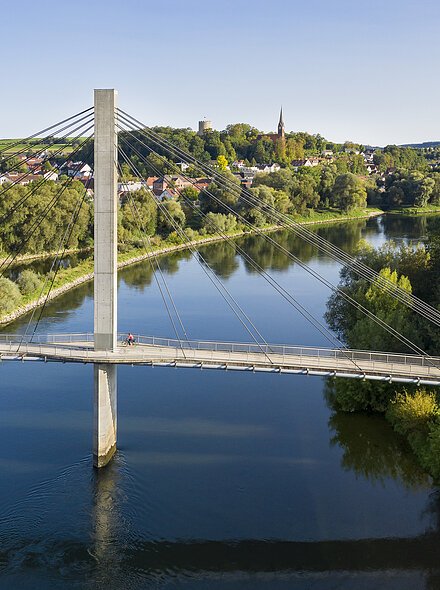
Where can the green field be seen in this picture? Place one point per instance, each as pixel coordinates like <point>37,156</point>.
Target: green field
<point>10,146</point>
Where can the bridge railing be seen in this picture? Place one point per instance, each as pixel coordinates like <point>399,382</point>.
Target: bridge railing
<point>331,354</point>
<point>46,338</point>
<point>222,351</point>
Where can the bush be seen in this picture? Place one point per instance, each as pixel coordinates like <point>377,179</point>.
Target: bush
<point>28,282</point>
<point>219,222</point>
<point>412,414</point>
<point>358,396</point>
<point>10,296</point>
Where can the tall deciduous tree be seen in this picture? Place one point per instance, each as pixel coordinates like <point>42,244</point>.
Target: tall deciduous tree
<point>349,192</point>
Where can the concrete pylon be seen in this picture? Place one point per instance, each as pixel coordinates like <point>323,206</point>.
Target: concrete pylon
<point>105,287</point>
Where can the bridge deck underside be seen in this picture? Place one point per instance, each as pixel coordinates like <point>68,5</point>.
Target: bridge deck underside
<point>412,369</point>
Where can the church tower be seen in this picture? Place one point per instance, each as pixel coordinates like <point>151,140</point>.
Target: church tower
<point>281,126</point>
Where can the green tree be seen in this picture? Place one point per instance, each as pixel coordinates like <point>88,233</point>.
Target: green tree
<point>217,222</point>
<point>349,192</point>
<point>170,217</point>
<point>29,282</point>
<point>138,214</point>
<point>189,192</point>
<point>223,195</point>
<point>10,296</point>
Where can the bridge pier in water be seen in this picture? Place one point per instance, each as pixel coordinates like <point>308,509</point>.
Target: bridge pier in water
<point>105,275</point>
<point>105,414</point>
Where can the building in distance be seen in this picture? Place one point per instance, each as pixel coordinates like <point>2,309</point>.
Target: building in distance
<point>204,126</point>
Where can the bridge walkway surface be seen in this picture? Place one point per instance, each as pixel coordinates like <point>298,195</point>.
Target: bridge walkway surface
<point>274,358</point>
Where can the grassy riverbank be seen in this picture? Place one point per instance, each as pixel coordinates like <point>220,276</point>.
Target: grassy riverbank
<point>414,210</point>
<point>69,278</point>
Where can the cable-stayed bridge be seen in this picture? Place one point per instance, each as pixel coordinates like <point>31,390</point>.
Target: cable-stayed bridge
<point>236,356</point>
<point>118,140</point>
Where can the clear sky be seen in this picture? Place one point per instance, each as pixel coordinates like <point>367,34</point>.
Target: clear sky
<point>364,71</point>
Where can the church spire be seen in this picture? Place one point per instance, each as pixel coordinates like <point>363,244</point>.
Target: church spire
<point>281,125</point>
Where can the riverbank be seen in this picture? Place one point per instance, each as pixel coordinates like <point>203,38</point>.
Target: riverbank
<point>70,278</point>
<point>429,209</point>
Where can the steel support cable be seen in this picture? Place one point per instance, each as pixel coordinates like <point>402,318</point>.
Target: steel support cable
<point>324,281</point>
<point>36,224</point>
<point>25,175</point>
<point>214,279</point>
<point>154,256</point>
<point>308,316</point>
<point>235,187</point>
<point>421,307</point>
<point>47,158</point>
<point>414,303</point>
<point>64,240</point>
<point>38,133</point>
<point>89,118</point>
<point>418,305</point>
<point>332,338</point>
<point>34,188</point>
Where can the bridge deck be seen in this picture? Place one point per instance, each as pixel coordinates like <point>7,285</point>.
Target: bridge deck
<point>233,356</point>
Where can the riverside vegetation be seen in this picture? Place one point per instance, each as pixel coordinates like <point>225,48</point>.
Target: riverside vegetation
<point>193,216</point>
<point>414,412</point>
<point>324,192</point>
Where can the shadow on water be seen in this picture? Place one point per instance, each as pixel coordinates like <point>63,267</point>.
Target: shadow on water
<point>44,265</point>
<point>223,257</point>
<point>371,449</point>
<point>57,311</point>
<point>413,228</point>
<point>104,549</point>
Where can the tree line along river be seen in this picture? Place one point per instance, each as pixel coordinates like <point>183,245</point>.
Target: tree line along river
<point>221,480</point>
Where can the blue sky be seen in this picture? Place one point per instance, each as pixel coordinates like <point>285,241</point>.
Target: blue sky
<point>348,69</point>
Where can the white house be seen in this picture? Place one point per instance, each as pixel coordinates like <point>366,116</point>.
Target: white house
<point>79,170</point>
<point>183,166</point>
<point>131,186</point>
<point>51,175</point>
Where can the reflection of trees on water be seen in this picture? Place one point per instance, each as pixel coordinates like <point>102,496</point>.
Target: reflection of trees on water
<point>268,256</point>
<point>138,275</point>
<point>170,263</point>
<point>406,226</point>
<point>373,450</point>
<point>373,227</point>
<point>346,236</point>
<point>56,311</point>
<point>221,257</point>
<point>141,274</point>
<point>416,227</point>
<point>44,265</point>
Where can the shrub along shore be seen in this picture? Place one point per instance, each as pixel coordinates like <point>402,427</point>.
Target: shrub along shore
<point>31,291</point>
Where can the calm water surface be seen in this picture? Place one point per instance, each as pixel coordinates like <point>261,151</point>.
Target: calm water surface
<point>221,480</point>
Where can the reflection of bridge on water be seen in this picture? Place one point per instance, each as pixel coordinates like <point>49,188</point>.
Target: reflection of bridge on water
<point>238,356</point>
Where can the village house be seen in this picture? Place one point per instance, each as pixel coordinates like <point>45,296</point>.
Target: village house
<point>173,182</point>
<point>311,162</point>
<point>78,170</point>
<point>183,166</point>
<point>150,181</point>
<point>167,195</point>
<point>24,178</point>
<point>130,186</point>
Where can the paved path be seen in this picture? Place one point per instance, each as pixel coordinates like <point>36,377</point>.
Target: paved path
<point>231,356</point>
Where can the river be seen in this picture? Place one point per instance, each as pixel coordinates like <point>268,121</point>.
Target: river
<point>221,479</point>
